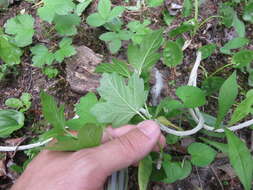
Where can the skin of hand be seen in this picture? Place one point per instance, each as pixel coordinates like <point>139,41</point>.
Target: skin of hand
<point>88,169</point>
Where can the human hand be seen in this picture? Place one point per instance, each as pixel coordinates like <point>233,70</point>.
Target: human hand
<point>88,168</point>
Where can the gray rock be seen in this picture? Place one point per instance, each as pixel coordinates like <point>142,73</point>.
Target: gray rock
<point>80,70</point>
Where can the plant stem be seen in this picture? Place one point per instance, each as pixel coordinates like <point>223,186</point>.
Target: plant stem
<point>166,122</point>
<point>196,10</point>
<point>209,18</point>
<point>220,69</point>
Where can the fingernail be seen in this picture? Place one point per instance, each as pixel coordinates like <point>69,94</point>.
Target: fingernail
<point>149,128</point>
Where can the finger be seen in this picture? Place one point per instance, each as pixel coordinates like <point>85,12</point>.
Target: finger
<point>112,133</point>
<point>127,149</point>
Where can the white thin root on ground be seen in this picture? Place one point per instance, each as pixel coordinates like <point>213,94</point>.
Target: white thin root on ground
<point>195,113</point>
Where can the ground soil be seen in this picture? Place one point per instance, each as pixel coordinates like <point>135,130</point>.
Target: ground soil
<point>26,78</point>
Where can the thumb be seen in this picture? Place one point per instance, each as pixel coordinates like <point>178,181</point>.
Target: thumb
<point>129,148</point>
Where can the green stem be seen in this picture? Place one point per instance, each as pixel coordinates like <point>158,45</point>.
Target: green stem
<point>196,10</point>
<point>166,122</point>
<point>220,69</point>
<point>149,116</point>
<point>209,18</point>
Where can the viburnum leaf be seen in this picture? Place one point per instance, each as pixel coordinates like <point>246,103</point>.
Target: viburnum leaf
<point>22,27</point>
<point>122,101</point>
<point>41,56</point>
<point>51,8</point>
<point>66,50</point>
<point>144,56</point>
<point>88,136</point>
<point>65,25</point>
<point>117,66</point>
<point>9,53</point>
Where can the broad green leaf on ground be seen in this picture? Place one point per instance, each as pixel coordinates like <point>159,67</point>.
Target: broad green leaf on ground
<point>52,113</point>
<point>176,170</point>
<point>242,110</point>
<point>9,53</point>
<point>22,28</point>
<point>41,56</point>
<point>50,71</point>
<point>10,121</point>
<point>212,84</point>
<point>240,159</point>
<point>185,27</point>
<point>169,106</point>
<point>14,103</point>
<point>242,58</point>
<point>66,25</point>
<point>104,14</point>
<point>207,50</point>
<point>88,136</point>
<point>247,15</point>
<point>144,56</point>
<point>172,54</point>
<point>172,139</point>
<point>108,36</point>
<point>104,8</point>
<point>83,110</point>
<point>220,146</point>
<point>116,11</point>
<point>228,14</point>
<point>154,3</point>
<point>114,45</point>
<point>119,67</point>
<point>122,101</point>
<point>66,50</point>
<point>187,8</point>
<point>80,8</point>
<point>234,44</point>
<point>191,96</point>
<point>139,30</point>
<point>26,100</point>
<point>201,154</point>
<point>95,20</point>
<point>239,26</point>
<point>227,95</point>
<point>144,172</point>
<point>51,8</point>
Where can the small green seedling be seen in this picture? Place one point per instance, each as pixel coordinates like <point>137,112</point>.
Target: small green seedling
<point>21,104</point>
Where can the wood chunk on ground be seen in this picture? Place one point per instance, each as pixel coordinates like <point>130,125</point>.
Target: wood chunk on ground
<point>80,70</point>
